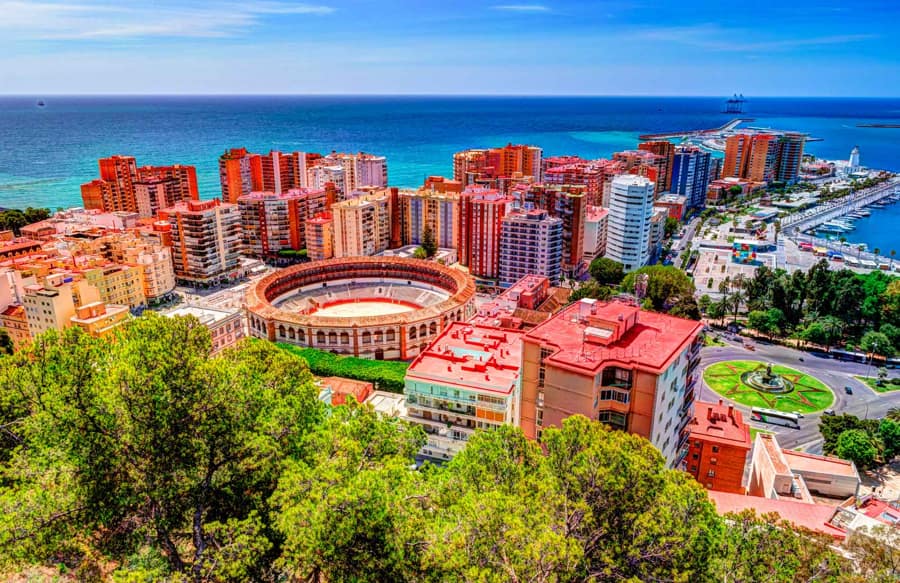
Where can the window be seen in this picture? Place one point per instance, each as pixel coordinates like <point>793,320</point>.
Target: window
<point>715,449</point>
<point>693,468</point>
<point>696,456</point>
<point>711,474</point>
<point>712,461</point>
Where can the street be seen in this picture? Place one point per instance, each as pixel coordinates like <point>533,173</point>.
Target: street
<point>864,402</point>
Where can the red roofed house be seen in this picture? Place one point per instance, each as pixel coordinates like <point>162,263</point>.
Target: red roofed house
<point>719,444</point>
<point>613,362</point>
<point>815,517</point>
<point>467,379</point>
<point>340,388</point>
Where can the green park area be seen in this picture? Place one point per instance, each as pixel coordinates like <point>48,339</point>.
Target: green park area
<point>386,375</point>
<point>792,391</point>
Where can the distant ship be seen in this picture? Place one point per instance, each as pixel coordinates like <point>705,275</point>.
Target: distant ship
<point>735,104</point>
<point>41,103</point>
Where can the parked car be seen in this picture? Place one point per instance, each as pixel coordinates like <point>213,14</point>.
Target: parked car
<point>828,412</point>
<point>848,390</point>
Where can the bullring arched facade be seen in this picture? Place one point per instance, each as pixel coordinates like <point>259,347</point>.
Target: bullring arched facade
<point>399,336</point>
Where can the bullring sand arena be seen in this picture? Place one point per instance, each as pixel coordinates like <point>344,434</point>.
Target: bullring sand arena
<point>372,307</point>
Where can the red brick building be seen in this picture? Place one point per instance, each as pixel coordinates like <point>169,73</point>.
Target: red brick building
<point>719,443</point>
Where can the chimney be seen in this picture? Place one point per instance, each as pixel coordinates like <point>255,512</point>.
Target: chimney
<point>731,411</point>
<point>721,402</point>
<point>709,414</point>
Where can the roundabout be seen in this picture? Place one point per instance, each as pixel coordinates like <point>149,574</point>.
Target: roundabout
<point>757,384</point>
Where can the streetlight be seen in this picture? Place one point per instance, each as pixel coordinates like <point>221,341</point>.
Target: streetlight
<point>869,368</point>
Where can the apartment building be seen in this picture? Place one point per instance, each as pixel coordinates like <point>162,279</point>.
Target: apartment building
<point>271,222</point>
<point>530,244</point>
<point>481,217</point>
<point>612,362</point>
<point>690,176</point>
<point>226,327</point>
<point>118,284</point>
<point>320,237</point>
<point>666,150</point>
<point>595,227</point>
<point>497,167</point>
<point>568,203</point>
<point>629,221</point>
<point>99,319</point>
<point>719,445</point>
<point>362,224</point>
<point>437,210</point>
<point>206,240</point>
<point>467,379</point>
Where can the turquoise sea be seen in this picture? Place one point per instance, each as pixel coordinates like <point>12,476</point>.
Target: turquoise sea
<point>47,152</point>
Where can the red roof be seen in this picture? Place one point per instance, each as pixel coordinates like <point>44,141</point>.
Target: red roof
<point>642,339</point>
<point>811,516</point>
<point>719,423</point>
<point>472,357</point>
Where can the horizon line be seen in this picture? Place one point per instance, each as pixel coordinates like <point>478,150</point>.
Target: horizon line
<point>446,95</point>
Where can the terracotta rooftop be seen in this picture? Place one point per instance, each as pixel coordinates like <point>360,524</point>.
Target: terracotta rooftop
<point>719,423</point>
<point>472,357</point>
<point>807,462</point>
<point>880,510</point>
<point>774,453</point>
<point>591,334</point>
<point>812,516</point>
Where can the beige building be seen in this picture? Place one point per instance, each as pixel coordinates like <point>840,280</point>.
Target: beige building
<point>362,225</point>
<point>14,319</point>
<point>778,473</point>
<point>206,240</point>
<point>48,308</point>
<point>118,284</point>
<point>437,210</point>
<point>320,237</point>
<point>99,319</point>
<point>225,326</point>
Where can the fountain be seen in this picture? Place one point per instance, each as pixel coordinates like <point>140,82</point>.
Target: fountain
<point>763,379</point>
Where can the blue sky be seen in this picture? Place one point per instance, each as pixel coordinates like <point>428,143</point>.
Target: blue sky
<point>628,47</point>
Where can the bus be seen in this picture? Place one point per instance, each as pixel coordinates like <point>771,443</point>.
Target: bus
<point>791,420</point>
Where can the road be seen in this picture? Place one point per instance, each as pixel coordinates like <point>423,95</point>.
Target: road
<point>679,245</point>
<point>864,402</point>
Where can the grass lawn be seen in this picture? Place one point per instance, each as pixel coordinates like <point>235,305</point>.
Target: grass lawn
<point>710,340</point>
<point>872,383</point>
<point>754,431</point>
<point>809,394</point>
<point>387,374</point>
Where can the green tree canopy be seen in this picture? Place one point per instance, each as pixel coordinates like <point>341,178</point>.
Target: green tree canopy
<point>856,445</point>
<point>607,271</point>
<point>666,285</point>
<point>429,243</point>
<point>877,343</point>
<point>144,438</point>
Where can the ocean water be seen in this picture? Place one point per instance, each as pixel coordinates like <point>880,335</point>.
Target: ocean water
<point>47,152</point>
<point>878,231</point>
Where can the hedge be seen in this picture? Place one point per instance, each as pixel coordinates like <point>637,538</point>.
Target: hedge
<point>387,374</point>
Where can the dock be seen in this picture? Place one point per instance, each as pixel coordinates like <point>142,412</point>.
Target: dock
<point>689,133</point>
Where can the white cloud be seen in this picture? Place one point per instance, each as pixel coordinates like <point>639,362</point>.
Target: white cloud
<point>103,20</point>
<point>714,38</point>
<point>522,8</point>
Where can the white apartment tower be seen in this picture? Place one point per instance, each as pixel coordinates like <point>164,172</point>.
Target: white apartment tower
<point>630,214</point>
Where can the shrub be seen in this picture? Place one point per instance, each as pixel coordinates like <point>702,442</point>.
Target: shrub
<point>387,374</point>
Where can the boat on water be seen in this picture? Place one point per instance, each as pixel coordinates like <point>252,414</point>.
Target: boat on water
<point>864,212</point>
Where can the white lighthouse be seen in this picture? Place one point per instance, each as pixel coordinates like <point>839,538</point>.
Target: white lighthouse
<point>853,163</point>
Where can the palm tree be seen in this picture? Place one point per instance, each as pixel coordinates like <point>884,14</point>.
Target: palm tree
<point>876,251</point>
<point>893,253</point>
<point>842,240</point>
